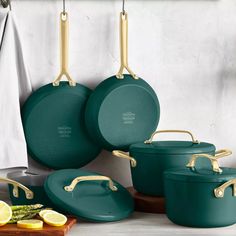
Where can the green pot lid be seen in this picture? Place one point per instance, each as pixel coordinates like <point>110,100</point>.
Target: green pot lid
<point>172,147</point>
<point>200,175</point>
<point>93,200</point>
<point>54,126</point>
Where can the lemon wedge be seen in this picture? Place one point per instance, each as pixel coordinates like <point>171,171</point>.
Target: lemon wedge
<point>43,212</point>
<point>54,219</point>
<point>5,213</point>
<point>30,224</point>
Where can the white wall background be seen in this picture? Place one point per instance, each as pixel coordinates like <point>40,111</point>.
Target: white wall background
<point>185,49</point>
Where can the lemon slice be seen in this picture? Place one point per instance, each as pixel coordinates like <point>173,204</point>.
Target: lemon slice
<point>54,219</point>
<point>5,213</point>
<point>30,224</point>
<point>43,212</point>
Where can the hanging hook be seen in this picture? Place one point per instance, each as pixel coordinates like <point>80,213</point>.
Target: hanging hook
<point>64,7</point>
<point>6,3</point>
<point>123,7</point>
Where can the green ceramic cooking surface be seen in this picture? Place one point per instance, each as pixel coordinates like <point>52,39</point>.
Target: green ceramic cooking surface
<point>53,120</point>
<point>173,147</point>
<point>121,112</point>
<point>200,175</point>
<point>91,200</point>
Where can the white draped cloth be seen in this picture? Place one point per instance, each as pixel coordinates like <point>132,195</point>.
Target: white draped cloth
<point>15,87</point>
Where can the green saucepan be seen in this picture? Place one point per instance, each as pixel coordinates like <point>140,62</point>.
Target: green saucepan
<point>201,197</point>
<point>27,188</point>
<point>150,159</point>
<point>123,109</point>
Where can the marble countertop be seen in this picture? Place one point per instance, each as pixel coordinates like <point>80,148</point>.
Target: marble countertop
<point>142,224</point>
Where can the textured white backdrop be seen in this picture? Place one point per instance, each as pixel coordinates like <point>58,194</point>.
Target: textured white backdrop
<point>185,49</point>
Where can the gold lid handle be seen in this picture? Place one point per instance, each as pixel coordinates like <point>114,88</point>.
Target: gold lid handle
<point>64,51</point>
<point>125,155</point>
<point>77,180</point>
<point>149,141</point>
<point>124,47</point>
<point>213,159</point>
<point>28,193</point>
<point>220,191</point>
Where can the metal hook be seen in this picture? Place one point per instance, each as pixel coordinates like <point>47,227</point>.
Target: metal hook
<point>64,7</point>
<point>123,7</point>
<point>6,3</point>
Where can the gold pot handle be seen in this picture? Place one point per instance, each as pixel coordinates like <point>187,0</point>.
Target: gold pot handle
<point>125,155</point>
<point>213,159</point>
<point>149,141</point>
<point>80,179</point>
<point>124,47</point>
<point>222,153</point>
<point>220,191</point>
<point>28,193</point>
<point>64,51</point>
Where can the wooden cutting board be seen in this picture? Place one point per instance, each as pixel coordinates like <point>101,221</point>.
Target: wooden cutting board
<point>149,204</point>
<point>12,230</point>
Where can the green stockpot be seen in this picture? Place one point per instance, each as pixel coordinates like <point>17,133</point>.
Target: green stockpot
<point>150,159</point>
<point>123,109</point>
<point>53,119</point>
<point>201,197</point>
<point>90,196</point>
<point>27,188</point>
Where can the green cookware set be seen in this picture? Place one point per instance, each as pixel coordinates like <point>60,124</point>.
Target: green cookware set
<point>66,125</point>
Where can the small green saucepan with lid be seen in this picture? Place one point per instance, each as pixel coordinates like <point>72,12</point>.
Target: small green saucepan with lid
<point>201,197</point>
<point>17,189</point>
<point>32,181</point>
<point>150,159</point>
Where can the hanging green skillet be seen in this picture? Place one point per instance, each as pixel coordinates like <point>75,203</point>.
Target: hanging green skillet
<point>123,109</point>
<point>53,118</point>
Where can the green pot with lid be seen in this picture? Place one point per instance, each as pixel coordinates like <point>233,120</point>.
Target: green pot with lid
<point>32,182</point>
<point>201,197</point>
<point>149,159</point>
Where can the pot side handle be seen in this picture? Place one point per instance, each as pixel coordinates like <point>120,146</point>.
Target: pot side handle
<point>149,141</point>
<point>28,193</point>
<point>80,179</point>
<point>214,159</point>
<point>125,155</point>
<point>220,191</point>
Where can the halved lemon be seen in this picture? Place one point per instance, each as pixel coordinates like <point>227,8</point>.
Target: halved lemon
<point>54,219</point>
<point>5,213</point>
<point>30,224</point>
<point>43,212</point>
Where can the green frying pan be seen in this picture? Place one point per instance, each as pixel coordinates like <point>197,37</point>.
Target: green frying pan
<point>53,119</point>
<point>123,109</point>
